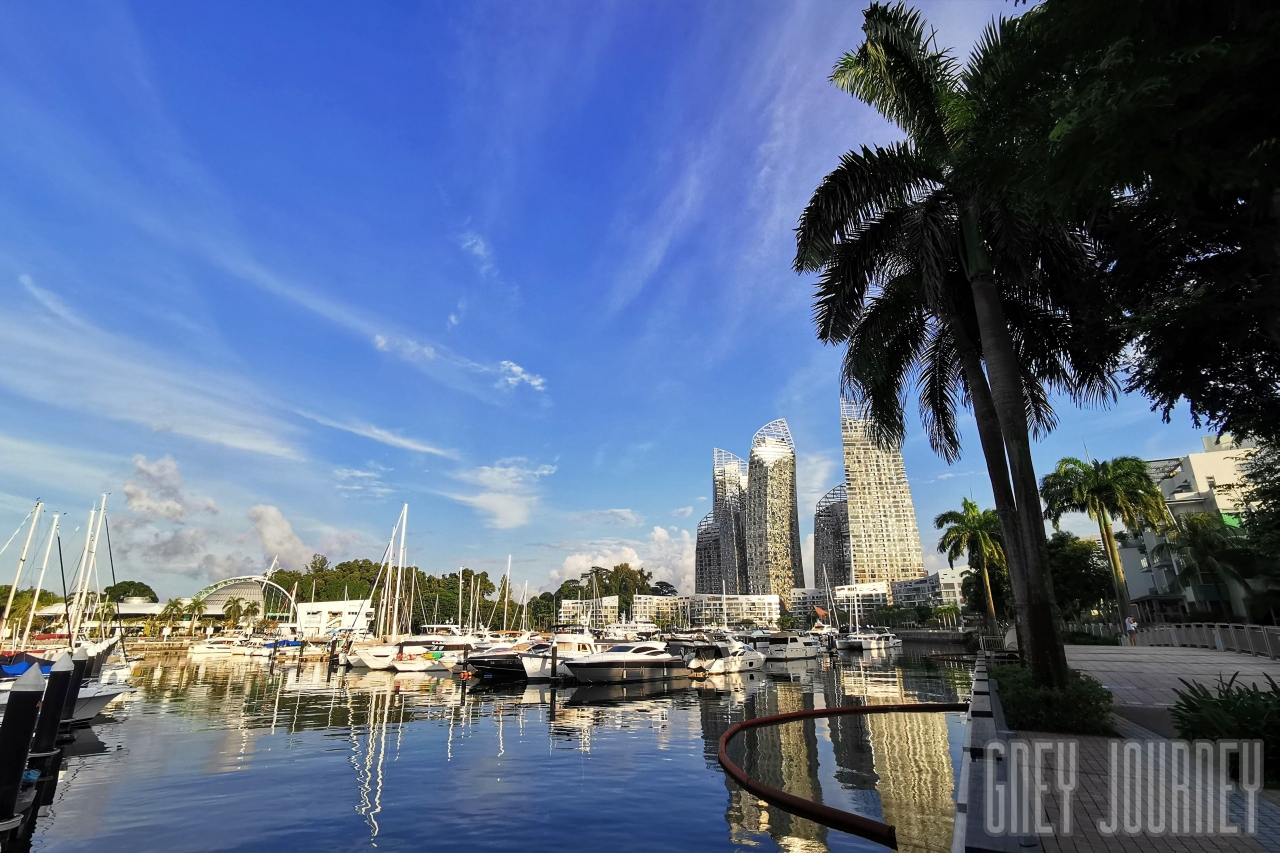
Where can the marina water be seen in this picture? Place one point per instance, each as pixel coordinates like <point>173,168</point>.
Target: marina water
<point>229,755</point>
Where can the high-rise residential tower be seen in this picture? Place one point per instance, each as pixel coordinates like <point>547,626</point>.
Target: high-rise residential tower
<point>706,557</point>
<point>774,564</point>
<point>831,564</point>
<point>884,541</point>
<point>729,488</point>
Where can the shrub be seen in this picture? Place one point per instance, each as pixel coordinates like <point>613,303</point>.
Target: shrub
<point>1232,711</point>
<point>1084,638</point>
<point>1083,707</point>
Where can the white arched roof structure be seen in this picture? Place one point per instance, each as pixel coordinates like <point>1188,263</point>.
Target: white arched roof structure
<point>247,588</point>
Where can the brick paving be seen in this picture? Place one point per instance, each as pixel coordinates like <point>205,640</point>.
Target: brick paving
<point>1143,680</point>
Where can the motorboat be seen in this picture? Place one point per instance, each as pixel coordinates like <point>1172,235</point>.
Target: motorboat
<point>724,657</point>
<point>219,646</point>
<point>789,645</point>
<point>94,696</point>
<point>569,644</point>
<point>506,663</point>
<point>868,639</point>
<point>647,661</point>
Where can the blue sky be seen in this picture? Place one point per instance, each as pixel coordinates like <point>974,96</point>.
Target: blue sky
<point>266,272</point>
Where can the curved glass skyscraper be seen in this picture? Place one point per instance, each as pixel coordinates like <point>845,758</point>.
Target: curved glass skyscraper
<point>774,564</point>
<point>831,564</point>
<point>706,559</point>
<point>883,537</point>
<point>729,487</point>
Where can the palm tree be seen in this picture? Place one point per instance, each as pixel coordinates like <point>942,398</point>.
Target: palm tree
<point>233,611</point>
<point>171,612</point>
<point>1119,488</point>
<point>251,611</point>
<point>974,533</point>
<point>106,613</point>
<point>195,609</point>
<point>1210,551</point>
<point>957,290</point>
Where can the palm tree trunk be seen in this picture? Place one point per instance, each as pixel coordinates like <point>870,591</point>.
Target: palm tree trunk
<point>1117,568</point>
<point>986,584</point>
<point>1046,656</point>
<point>993,451</point>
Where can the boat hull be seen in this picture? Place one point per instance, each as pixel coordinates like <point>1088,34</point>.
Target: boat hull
<point>625,672</point>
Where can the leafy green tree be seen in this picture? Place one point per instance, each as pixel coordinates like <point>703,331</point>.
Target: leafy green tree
<point>923,275</point>
<point>973,589</point>
<point>974,533</point>
<point>130,589</point>
<point>1152,123</point>
<point>1118,488</point>
<point>1260,493</point>
<point>666,589</point>
<point>1081,574</point>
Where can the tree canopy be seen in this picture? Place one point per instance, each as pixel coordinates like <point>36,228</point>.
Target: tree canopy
<point>130,589</point>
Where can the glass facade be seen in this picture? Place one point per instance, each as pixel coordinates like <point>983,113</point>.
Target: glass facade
<point>831,564</point>
<point>706,561</point>
<point>729,487</point>
<point>884,541</point>
<point>774,564</point>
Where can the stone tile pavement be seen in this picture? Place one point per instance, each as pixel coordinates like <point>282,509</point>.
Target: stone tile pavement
<point>1148,675</point>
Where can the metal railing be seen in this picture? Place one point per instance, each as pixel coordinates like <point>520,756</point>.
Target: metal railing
<point>1256,640</point>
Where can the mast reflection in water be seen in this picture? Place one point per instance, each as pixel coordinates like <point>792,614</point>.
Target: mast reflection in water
<point>230,756</point>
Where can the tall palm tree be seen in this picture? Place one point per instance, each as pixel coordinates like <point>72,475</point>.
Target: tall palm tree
<point>233,611</point>
<point>974,533</point>
<point>251,611</point>
<point>965,290</point>
<point>1108,490</point>
<point>171,612</point>
<point>195,609</point>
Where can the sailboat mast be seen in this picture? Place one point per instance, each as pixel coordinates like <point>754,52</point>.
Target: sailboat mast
<point>35,600</point>
<point>506,597</point>
<point>4,620</point>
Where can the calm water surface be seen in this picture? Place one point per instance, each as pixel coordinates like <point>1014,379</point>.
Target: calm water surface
<point>228,756</point>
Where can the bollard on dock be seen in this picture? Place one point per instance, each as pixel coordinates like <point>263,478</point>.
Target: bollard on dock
<point>79,661</point>
<point>15,741</point>
<point>51,707</point>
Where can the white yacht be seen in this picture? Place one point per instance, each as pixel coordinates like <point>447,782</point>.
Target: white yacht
<point>725,657</point>
<point>445,646</point>
<point>570,645</point>
<point>647,661</point>
<point>219,646</point>
<point>788,645</point>
<point>869,639</point>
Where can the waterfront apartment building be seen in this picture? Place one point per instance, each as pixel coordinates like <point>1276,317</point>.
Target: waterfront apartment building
<point>696,610</point>
<point>949,581</point>
<point>1206,482</point>
<point>319,618</point>
<point>884,540</point>
<point>832,566</point>
<point>774,565</point>
<point>868,596</point>
<point>917,592</point>
<point>590,612</point>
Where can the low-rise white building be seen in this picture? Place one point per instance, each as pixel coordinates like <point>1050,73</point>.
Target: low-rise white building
<point>319,618</point>
<point>867,596</point>
<point>949,582</point>
<point>590,612</point>
<point>659,609</point>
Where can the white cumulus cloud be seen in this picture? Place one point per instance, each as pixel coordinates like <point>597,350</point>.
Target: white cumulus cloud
<point>277,537</point>
<point>508,490</point>
<point>682,512</point>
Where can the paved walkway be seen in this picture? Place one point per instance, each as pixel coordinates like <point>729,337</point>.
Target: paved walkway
<point>1148,675</point>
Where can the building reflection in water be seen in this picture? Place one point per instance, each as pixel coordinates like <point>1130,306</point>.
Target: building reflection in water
<point>891,767</point>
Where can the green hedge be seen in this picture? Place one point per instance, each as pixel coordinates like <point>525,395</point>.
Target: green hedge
<point>1229,712</point>
<point>1083,707</point>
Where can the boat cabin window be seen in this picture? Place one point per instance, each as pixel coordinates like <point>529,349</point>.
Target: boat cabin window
<point>621,648</point>
<point>655,652</point>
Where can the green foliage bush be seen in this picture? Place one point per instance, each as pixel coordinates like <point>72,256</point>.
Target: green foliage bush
<point>1084,638</point>
<point>1082,708</point>
<point>1229,712</point>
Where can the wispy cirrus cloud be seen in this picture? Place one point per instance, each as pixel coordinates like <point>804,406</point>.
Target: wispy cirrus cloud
<point>380,435</point>
<point>53,355</point>
<point>608,517</point>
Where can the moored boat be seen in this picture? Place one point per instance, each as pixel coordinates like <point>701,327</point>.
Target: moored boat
<point>647,661</point>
